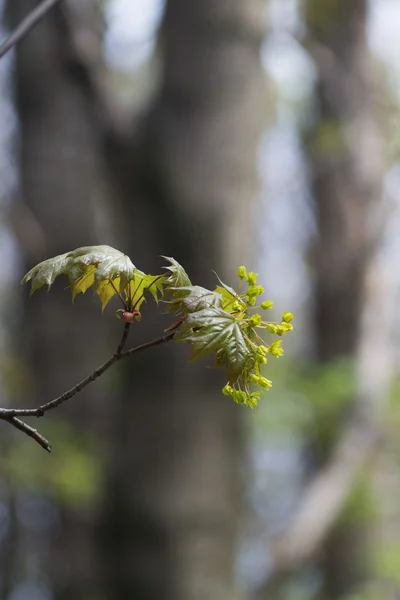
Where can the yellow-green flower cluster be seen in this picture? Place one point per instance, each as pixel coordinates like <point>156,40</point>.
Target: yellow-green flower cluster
<point>249,324</point>
<point>241,397</point>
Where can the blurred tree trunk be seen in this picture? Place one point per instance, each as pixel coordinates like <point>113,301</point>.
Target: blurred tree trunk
<point>187,177</point>
<point>62,194</point>
<point>171,514</point>
<point>345,157</point>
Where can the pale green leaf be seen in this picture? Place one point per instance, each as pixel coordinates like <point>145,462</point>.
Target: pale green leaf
<point>102,266</point>
<point>46,272</point>
<point>155,285</point>
<point>114,265</point>
<point>136,290</point>
<point>142,283</point>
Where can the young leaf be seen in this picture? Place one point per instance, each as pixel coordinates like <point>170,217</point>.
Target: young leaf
<point>143,283</point>
<point>107,290</point>
<point>155,285</point>
<point>192,298</point>
<point>85,267</point>
<point>83,279</point>
<point>215,330</point>
<point>178,276</point>
<point>46,272</point>
<point>231,301</point>
<point>113,265</point>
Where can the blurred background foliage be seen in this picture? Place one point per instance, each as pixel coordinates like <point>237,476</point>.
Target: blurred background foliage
<point>220,132</point>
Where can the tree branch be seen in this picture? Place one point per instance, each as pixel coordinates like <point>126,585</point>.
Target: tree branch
<point>26,25</point>
<point>10,415</point>
<point>30,431</point>
<point>157,342</point>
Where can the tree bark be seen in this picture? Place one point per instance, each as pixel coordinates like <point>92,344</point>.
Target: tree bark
<point>346,166</point>
<point>345,156</point>
<point>172,507</point>
<point>188,182</point>
<point>63,191</point>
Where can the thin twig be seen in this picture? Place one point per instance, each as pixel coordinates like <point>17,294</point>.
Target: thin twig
<point>30,431</point>
<point>157,342</point>
<point>123,339</point>
<point>10,414</point>
<point>26,25</point>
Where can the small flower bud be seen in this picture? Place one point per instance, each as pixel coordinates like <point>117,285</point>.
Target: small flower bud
<point>287,317</point>
<point>264,382</point>
<point>240,397</point>
<point>267,304</point>
<point>251,300</point>
<point>228,390</point>
<point>252,278</point>
<point>252,399</point>
<point>285,327</point>
<point>255,320</point>
<point>255,290</point>
<point>242,273</point>
<point>276,348</point>
<point>262,351</point>
<point>236,306</point>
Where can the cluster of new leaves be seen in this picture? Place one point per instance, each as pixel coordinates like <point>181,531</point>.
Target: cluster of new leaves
<point>220,321</point>
<point>109,270</point>
<point>224,323</point>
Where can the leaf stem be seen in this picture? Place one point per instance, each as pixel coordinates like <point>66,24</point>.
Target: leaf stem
<point>144,291</point>
<point>119,295</point>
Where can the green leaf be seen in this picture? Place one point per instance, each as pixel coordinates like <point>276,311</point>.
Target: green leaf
<point>177,285</point>
<point>178,276</point>
<point>155,285</point>
<point>193,298</point>
<point>46,272</point>
<point>84,281</point>
<point>215,330</point>
<point>113,264</point>
<point>231,301</point>
<point>104,266</point>
<point>106,290</point>
<point>142,283</point>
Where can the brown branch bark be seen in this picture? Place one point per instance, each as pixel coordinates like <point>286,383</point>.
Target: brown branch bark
<point>27,25</point>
